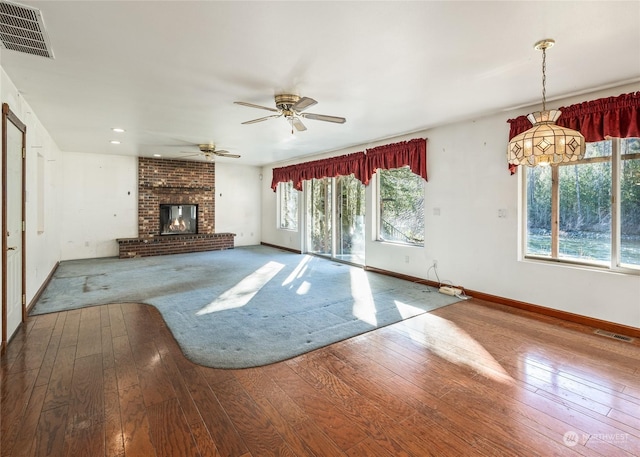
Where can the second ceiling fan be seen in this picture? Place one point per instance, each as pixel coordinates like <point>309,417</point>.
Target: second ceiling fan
<point>209,151</point>
<point>291,107</point>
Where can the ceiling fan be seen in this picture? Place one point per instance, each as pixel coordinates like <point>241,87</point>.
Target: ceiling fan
<point>209,151</point>
<point>291,107</point>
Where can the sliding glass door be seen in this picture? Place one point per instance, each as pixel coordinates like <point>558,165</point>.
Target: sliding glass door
<point>319,223</point>
<point>350,229</point>
<point>335,218</point>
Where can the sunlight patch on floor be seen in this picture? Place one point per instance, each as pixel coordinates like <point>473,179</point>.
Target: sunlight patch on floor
<point>407,311</point>
<point>364,307</point>
<point>298,271</point>
<point>303,288</point>
<point>240,294</point>
<point>455,345</point>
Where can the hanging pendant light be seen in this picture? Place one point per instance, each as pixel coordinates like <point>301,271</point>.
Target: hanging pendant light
<point>545,142</point>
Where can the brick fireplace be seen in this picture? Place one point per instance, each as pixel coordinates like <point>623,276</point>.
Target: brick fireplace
<point>174,182</point>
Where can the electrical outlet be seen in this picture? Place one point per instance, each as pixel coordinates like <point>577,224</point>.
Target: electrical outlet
<point>406,259</point>
<point>435,263</point>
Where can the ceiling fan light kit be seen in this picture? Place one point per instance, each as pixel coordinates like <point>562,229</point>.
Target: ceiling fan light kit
<point>545,142</point>
<point>291,107</point>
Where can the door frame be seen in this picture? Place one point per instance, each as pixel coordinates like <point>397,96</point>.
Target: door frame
<point>8,115</point>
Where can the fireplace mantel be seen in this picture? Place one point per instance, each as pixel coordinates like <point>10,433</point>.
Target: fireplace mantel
<point>173,188</point>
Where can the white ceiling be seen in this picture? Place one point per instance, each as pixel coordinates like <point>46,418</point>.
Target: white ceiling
<point>169,71</point>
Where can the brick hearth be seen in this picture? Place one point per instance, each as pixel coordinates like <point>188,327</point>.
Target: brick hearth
<point>174,182</point>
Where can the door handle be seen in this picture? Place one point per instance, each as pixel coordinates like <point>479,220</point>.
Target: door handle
<point>12,248</point>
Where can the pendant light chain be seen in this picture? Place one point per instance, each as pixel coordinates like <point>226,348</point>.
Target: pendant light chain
<point>544,79</point>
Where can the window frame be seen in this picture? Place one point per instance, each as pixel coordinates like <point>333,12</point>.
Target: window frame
<point>378,211</point>
<point>614,263</point>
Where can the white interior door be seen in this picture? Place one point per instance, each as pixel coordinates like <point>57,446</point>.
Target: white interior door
<point>14,228</point>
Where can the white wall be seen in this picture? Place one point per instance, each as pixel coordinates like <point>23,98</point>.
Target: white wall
<point>42,247</point>
<point>468,184</point>
<point>100,204</point>
<point>238,207</point>
<point>100,195</point>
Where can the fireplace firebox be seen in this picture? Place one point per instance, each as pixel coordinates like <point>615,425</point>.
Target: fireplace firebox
<point>178,219</point>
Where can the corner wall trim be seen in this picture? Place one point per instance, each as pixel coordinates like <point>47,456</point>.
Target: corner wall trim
<point>295,251</point>
<point>44,285</point>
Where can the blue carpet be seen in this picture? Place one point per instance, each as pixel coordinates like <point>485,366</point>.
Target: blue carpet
<point>245,307</point>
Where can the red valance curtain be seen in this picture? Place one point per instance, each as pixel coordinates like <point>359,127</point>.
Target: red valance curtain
<point>323,168</point>
<point>362,165</point>
<point>412,153</point>
<point>286,174</point>
<point>617,117</point>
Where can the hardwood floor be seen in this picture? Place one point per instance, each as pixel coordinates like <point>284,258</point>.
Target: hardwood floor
<point>473,378</point>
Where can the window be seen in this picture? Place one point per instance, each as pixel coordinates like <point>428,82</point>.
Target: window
<point>287,206</point>
<point>401,206</point>
<point>587,212</point>
<point>629,198</point>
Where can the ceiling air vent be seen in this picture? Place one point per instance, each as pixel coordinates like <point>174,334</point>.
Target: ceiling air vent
<point>22,29</point>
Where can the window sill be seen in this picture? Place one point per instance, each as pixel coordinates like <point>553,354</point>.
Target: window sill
<point>583,265</point>
<point>400,243</point>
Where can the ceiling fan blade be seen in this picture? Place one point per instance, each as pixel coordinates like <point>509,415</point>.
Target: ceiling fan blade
<point>251,105</point>
<point>303,104</point>
<point>323,117</point>
<point>262,119</point>
<point>297,123</point>
<point>226,154</point>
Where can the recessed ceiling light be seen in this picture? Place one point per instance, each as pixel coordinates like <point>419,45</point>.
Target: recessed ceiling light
<point>115,142</point>
<point>157,155</point>
<point>118,130</point>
